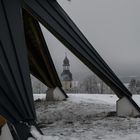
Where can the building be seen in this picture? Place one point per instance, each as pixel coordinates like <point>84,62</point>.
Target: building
<point>66,75</point>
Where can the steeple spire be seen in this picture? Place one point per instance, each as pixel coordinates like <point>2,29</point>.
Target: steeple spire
<point>66,64</point>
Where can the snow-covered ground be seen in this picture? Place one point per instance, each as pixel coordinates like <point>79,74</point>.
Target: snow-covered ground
<point>86,117</point>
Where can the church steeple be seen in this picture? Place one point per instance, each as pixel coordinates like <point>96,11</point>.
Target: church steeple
<point>66,65</point>
<point>66,74</point>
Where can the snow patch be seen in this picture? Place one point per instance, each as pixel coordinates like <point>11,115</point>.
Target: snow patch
<point>86,117</point>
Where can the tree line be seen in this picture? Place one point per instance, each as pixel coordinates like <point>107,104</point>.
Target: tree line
<point>134,86</point>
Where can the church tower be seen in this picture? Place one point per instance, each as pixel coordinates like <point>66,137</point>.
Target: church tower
<point>66,75</point>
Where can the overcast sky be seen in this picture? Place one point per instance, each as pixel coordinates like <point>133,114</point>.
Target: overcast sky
<point>112,27</point>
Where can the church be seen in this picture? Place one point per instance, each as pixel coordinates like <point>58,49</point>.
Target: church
<point>66,75</point>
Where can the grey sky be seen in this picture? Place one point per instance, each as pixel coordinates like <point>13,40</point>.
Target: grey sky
<point>112,27</point>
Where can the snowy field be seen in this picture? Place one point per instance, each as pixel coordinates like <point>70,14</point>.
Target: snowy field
<point>86,117</point>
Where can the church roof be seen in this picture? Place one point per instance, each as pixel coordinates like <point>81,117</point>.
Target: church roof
<point>66,61</point>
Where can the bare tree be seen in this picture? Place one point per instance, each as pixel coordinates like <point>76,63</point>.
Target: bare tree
<point>89,85</point>
<point>132,86</point>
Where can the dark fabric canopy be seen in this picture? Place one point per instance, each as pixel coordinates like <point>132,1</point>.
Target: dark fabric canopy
<point>41,64</point>
<point>16,98</point>
<point>53,17</point>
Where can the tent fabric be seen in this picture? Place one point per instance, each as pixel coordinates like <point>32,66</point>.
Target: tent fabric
<point>53,17</point>
<point>16,99</point>
<point>41,63</point>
